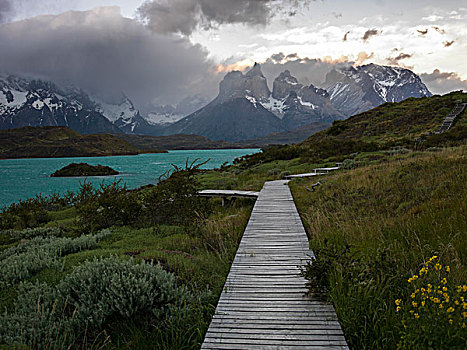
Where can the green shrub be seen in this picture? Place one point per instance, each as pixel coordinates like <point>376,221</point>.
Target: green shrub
<point>92,295</point>
<point>29,233</point>
<point>40,320</point>
<point>349,164</point>
<point>109,204</point>
<point>174,200</point>
<point>318,269</point>
<point>33,212</point>
<point>22,261</point>
<point>120,287</point>
<point>26,213</point>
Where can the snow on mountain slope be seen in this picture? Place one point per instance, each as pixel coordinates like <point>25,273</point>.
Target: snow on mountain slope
<point>163,115</point>
<point>30,102</point>
<point>356,89</point>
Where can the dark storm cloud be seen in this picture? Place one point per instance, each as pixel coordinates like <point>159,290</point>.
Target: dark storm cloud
<point>185,16</point>
<point>292,56</point>
<point>5,9</point>
<point>278,57</point>
<point>443,82</point>
<point>400,57</point>
<point>101,51</point>
<point>369,33</point>
<point>448,43</point>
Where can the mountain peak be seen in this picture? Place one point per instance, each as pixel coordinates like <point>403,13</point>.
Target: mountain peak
<point>255,71</point>
<point>284,84</point>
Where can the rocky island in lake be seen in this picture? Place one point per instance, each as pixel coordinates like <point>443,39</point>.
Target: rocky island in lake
<point>84,169</point>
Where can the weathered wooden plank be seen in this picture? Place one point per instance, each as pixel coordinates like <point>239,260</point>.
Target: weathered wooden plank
<point>277,342</point>
<point>228,193</point>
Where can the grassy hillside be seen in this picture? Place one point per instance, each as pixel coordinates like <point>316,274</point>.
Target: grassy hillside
<point>399,123</point>
<point>410,124</point>
<point>288,137</point>
<point>44,142</point>
<point>373,228</point>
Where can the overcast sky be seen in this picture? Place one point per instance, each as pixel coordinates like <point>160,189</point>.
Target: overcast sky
<point>163,50</point>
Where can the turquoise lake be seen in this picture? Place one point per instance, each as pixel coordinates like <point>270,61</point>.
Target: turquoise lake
<point>24,178</point>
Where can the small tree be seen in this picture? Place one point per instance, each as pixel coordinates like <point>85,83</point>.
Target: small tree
<point>174,200</point>
<point>110,204</point>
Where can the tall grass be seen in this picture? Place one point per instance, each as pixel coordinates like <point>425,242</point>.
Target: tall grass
<point>395,216</point>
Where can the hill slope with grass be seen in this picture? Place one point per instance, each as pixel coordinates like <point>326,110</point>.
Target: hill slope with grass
<point>51,142</point>
<point>374,230</point>
<point>410,123</point>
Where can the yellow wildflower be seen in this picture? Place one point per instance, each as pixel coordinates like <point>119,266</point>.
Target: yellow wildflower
<point>444,281</point>
<point>412,295</point>
<point>450,321</point>
<point>414,304</point>
<point>448,268</point>
<point>398,309</point>
<point>423,303</point>
<point>398,302</point>
<point>445,289</point>
<point>416,315</point>
<point>451,309</point>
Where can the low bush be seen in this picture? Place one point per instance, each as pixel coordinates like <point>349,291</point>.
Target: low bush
<point>174,200</point>
<point>318,269</point>
<point>59,317</point>
<point>33,212</point>
<point>29,233</point>
<point>22,261</point>
<point>109,204</point>
<point>349,164</point>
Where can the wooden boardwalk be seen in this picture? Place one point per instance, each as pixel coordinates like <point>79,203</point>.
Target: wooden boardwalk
<point>263,305</point>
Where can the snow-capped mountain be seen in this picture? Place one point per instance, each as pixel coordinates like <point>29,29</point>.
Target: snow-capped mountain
<point>26,102</point>
<point>162,115</point>
<point>298,105</point>
<point>29,102</point>
<point>245,108</point>
<point>357,89</point>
